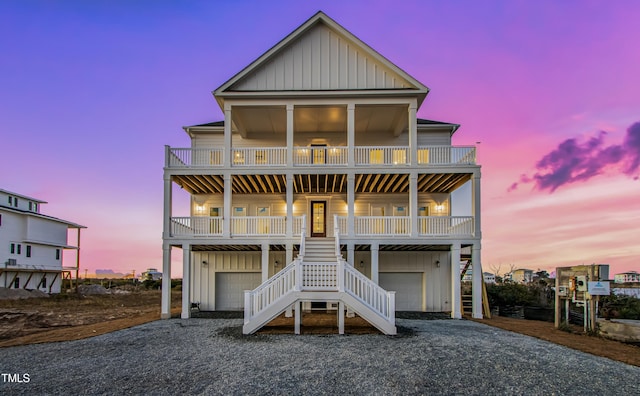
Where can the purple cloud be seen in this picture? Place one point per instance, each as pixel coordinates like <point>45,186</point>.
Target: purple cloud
<point>573,161</point>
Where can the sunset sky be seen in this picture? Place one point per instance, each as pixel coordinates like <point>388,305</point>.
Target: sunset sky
<point>91,91</point>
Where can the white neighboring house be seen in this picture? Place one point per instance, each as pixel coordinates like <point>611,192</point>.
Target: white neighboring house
<point>321,188</point>
<point>489,277</point>
<point>627,277</point>
<point>32,244</point>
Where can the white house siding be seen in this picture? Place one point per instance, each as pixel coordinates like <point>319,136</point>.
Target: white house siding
<point>321,59</point>
<point>204,275</point>
<point>436,292</point>
<point>43,230</point>
<point>433,138</point>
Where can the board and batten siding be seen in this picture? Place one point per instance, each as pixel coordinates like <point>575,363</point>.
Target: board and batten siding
<point>321,59</point>
<point>436,279</point>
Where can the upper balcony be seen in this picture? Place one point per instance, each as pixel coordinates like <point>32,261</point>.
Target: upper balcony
<point>325,156</point>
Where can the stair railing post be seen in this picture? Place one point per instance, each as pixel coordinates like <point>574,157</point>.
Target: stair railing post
<point>340,276</point>
<point>391,314</point>
<point>298,269</point>
<point>247,306</point>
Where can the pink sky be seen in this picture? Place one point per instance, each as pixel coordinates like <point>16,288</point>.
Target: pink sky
<point>92,91</point>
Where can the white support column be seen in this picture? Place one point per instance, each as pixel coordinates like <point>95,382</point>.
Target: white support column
<point>340,317</point>
<point>476,204</point>
<point>227,136</point>
<point>350,253</point>
<point>289,137</point>
<point>168,205</point>
<point>288,254</point>
<point>186,281</point>
<point>265,262</point>
<point>413,133</point>
<point>351,186</point>
<point>226,210</point>
<point>375,248</point>
<point>477,281</point>
<point>456,300</point>
<point>351,134</point>
<point>289,188</point>
<point>297,317</point>
<point>413,203</point>
<point>165,311</point>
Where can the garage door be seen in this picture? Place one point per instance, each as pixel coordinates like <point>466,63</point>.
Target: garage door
<point>408,288</point>
<point>230,287</point>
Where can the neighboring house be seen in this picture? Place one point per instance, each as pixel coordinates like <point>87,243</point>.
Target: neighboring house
<point>489,277</point>
<point>627,277</point>
<point>322,183</point>
<point>521,276</point>
<point>151,274</point>
<point>32,244</point>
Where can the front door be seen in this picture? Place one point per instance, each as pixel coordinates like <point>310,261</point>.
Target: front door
<point>318,218</point>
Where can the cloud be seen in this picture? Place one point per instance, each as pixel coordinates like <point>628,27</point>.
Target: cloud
<point>573,161</point>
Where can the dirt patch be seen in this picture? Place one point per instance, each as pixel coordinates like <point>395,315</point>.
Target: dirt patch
<point>74,316</point>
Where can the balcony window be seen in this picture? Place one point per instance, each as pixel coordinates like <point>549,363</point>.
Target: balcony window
<point>376,156</point>
<point>423,156</point>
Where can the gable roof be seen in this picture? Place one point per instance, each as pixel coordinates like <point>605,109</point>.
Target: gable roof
<point>320,57</point>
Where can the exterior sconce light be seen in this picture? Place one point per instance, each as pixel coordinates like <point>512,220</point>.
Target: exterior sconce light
<point>276,263</point>
<point>204,262</point>
<point>438,263</point>
<point>361,264</point>
<point>439,208</point>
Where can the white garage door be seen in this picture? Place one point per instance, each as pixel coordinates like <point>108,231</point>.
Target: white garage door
<point>408,288</point>
<point>230,287</point>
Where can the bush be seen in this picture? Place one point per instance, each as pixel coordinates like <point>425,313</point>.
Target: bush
<point>620,306</point>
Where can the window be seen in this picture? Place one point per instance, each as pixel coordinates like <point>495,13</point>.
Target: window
<point>28,251</point>
<point>15,202</point>
<point>43,282</point>
<point>13,248</point>
<point>30,206</point>
<point>57,254</point>
<point>16,283</point>
<point>10,201</point>
<point>19,249</point>
<point>0,220</point>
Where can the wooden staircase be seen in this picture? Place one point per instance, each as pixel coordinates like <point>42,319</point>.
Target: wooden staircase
<point>466,300</point>
<point>319,273</point>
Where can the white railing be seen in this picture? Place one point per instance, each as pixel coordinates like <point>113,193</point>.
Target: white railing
<point>200,225</point>
<point>445,225</point>
<point>379,300</point>
<point>379,155</point>
<point>240,226</point>
<point>319,276</point>
<point>259,225</point>
<point>259,299</point>
<point>320,156</point>
<point>382,225</point>
<point>401,225</point>
<point>445,155</point>
<point>195,157</point>
<point>259,156</point>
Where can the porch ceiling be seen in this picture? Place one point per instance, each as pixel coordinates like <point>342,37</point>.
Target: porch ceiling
<point>321,183</point>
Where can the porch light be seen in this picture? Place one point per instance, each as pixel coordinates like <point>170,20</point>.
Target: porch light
<point>200,209</point>
<point>439,208</point>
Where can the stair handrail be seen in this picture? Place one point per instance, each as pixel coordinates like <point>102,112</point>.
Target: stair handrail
<point>377,299</point>
<point>260,298</point>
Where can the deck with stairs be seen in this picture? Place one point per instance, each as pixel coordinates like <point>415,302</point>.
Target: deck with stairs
<point>319,274</point>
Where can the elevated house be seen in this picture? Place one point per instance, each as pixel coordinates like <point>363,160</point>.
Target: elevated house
<point>32,245</point>
<point>322,189</point>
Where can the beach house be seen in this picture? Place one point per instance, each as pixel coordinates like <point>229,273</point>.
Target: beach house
<point>322,189</point>
<point>32,245</point>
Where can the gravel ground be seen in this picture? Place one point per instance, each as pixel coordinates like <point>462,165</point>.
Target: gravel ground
<point>210,356</point>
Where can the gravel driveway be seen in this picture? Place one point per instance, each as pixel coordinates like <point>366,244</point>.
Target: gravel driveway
<point>211,356</point>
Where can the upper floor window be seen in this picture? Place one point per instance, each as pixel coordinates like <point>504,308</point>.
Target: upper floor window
<point>19,249</point>
<point>57,254</point>
<point>0,220</point>
<point>10,200</point>
<point>12,248</point>
<point>28,251</point>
